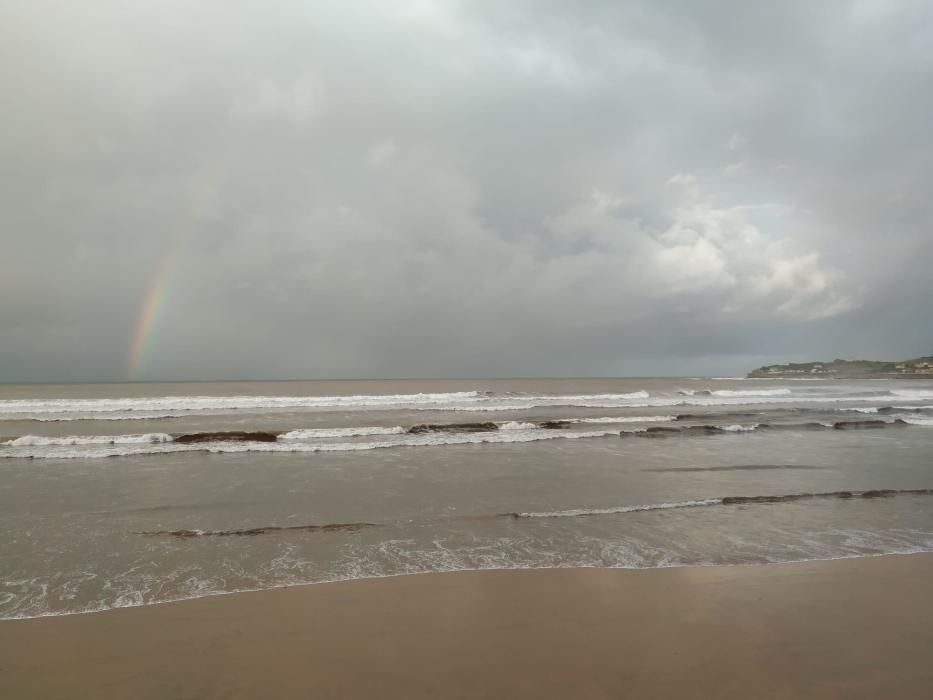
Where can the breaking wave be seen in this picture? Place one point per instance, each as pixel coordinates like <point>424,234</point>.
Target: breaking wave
<point>181,406</point>
<point>915,394</point>
<point>321,433</point>
<point>750,392</point>
<point>517,425</point>
<point>41,441</point>
<point>164,407</point>
<point>63,417</point>
<point>619,419</point>
<point>583,512</point>
<point>723,501</point>
<point>13,407</point>
<point>236,445</point>
<point>265,530</point>
<point>427,434</point>
<point>654,432</point>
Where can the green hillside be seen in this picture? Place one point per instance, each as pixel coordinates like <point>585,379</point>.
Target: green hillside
<point>847,368</point>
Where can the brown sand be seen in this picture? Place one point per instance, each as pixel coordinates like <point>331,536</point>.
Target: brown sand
<point>858,628</point>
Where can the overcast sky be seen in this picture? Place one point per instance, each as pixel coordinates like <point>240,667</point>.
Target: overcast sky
<point>475,188</point>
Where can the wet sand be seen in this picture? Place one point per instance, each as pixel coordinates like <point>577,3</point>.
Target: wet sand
<point>858,628</point>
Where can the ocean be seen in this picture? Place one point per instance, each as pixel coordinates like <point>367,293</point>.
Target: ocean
<point>117,495</point>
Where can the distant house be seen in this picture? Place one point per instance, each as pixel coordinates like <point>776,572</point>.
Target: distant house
<point>924,367</point>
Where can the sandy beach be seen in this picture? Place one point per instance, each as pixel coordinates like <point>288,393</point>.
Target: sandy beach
<point>857,628</point>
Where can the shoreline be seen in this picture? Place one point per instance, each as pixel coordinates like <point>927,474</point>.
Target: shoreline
<point>852,627</point>
<point>309,584</point>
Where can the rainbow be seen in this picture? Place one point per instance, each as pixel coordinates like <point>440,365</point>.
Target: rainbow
<point>148,316</point>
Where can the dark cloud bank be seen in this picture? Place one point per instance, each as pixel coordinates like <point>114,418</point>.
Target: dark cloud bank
<point>462,189</point>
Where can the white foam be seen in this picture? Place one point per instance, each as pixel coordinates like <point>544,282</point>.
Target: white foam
<point>43,441</point>
<point>576,512</point>
<point>522,402</point>
<point>915,394</point>
<point>610,397</point>
<point>729,393</point>
<point>668,402</point>
<point>620,419</point>
<point>916,420</point>
<point>489,408</point>
<point>869,410</point>
<point>517,425</point>
<point>745,401</point>
<point>103,450</point>
<point>467,401</point>
<point>319,433</point>
<point>740,428</point>
<point>200,403</point>
<point>419,440</point>
<point>64,417</point>
<point>180,406</point>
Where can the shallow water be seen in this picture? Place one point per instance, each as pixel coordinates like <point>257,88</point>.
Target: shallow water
<point>96,516</point>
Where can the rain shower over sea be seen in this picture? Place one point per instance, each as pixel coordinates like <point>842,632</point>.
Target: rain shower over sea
<point>132,494</point>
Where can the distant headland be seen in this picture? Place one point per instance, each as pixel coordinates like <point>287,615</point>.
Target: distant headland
<point>851,367</point>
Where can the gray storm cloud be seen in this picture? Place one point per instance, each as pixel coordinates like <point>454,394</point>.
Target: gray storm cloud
<point>224,189</point>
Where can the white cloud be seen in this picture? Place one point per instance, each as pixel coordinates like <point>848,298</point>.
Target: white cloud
<point>733,169</point>
<point>742,257</point>
<point>684,179</point>
<point>381,154</point>
<point>264,99</point>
